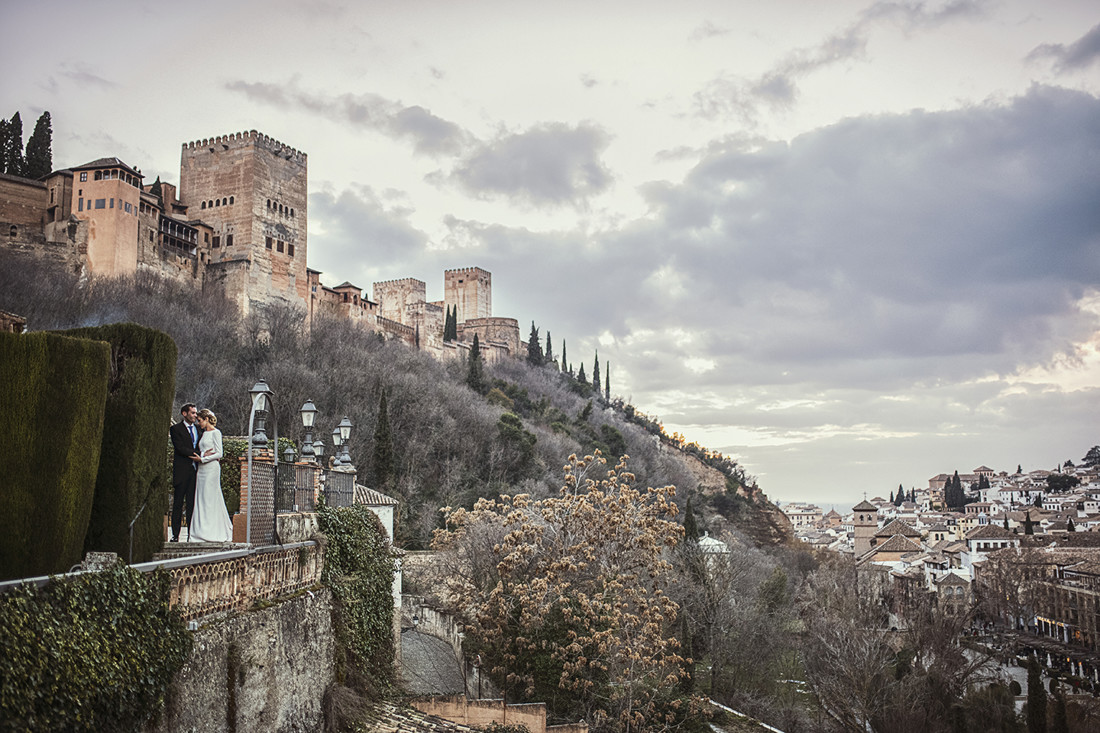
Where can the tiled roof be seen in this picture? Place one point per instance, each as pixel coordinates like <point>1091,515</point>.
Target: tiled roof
<point>865,506</point>
<point>989,532</point>
<point>898,543</point>
<point>391,718</point>
<point>897,527</point>
<point>107,163</point>
<point>363,495</point>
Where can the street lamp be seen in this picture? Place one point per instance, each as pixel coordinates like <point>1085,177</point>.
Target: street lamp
<point>308,413</point>
<point>345,428</point>
<point>260,393</point>
<point>337,458</point>
<point>319,449</point>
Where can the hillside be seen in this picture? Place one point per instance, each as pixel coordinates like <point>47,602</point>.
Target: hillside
<point>441,441</point>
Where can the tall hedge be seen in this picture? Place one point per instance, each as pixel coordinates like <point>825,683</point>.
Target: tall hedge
<point>132,472</point>
<point>52,394</point>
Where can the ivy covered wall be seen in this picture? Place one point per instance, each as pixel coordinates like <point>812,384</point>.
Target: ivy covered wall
<point>53,390</point>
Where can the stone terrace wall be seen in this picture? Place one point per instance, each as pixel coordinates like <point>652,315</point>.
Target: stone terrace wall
<point>266,670</point>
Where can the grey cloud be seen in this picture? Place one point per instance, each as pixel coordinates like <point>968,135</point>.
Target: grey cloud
<point>430,135</point>
<point>551,164</point>
<point>361,230</point>
<point>83,75</point>
<point>707,29</point>
<point>1079,55</point>
<point>730,95</point>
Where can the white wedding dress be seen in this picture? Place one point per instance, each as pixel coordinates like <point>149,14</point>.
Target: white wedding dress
<point>210,521</point>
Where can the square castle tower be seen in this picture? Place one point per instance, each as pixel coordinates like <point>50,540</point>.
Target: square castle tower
<point>251,190</point>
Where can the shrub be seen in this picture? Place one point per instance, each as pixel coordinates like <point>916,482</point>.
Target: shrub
<point>359,568</point>
<point>92,653</point>
<point>52,394</point>
<point>139,402</point>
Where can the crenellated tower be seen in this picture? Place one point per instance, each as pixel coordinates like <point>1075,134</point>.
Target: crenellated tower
<point>251,189</point>
<point>470,291</point>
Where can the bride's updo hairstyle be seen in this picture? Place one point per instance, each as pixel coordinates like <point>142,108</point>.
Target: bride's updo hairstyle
<point>209,417</point>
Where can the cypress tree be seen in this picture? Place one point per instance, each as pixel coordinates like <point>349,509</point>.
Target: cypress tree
<point>39,161</point>
<point>473,368</point>
<point>418,337</point>
<point>580,375</point>
<point>1006,521</point>
<point>691,529</point>
<point>1060,724</point>
<point>549,355</point>
<point>596,374</point>
<point>607,381</point>
<point>1028,527</point>
<point>13,163</point>
<point>534,348</point>
<point>155,189</point>
<point>891,497</point>
<point>1069,526</point>
<point>563,361</point>
<point>382,462</point>
<point>1036,699</point>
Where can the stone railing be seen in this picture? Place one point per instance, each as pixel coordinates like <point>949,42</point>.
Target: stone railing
<point>232,581</point>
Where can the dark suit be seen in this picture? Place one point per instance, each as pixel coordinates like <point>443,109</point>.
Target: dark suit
<point>183,474</point>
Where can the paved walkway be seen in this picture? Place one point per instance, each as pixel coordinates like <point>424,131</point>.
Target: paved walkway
<point>429,666</point>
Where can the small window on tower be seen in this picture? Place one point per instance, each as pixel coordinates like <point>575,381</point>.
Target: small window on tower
<point>228,240</point>
<point>217,241</point>
<point>269,242</point>
<point>280,245</point>
<point>217,202</point>
<point>290,249</point>
<point>83,176</point>
<point>231,199</point>
<point>203,205</point>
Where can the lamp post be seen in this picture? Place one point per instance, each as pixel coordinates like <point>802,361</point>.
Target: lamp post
<point>345,428</point>
<point>337,456</point>
<point>308,413</point>
<point>261,403</point>
<point>319,449</point>
<point>260,393</point>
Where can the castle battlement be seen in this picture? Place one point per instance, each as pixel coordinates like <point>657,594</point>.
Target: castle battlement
<point>403,281</point>
<point>252,137</point>
<point>466,271</point>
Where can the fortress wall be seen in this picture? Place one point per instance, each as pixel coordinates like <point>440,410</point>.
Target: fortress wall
<point>470,291</point>
<point>392,297</point>
<point>504,331</point>
<point>252,188</point>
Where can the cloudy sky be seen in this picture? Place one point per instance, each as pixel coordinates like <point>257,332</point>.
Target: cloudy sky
<point>852,243</point>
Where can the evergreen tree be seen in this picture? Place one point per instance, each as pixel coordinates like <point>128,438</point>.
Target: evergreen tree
<point>474,377</point>
<point>596,374</point>
<point>382,461</point>
<point>418,337</point>
<point>1036,699</point>
<point>899,497</point>
<point>549,355</point>
<point>691,529</point>
<point>1006,521</point>
<point>12,162</point>
<point>1060,723</point>
<point>1069,526</point>
<point>1092,458</point>
<point>1029,528</point>
<point>892,497</point>
<point>580,375</point>
<point>450,324</point>
<point>155,189</point>
<point>607,381</point>
<point>563,361</point>
<point>39,161</point>
<point>534,347</point>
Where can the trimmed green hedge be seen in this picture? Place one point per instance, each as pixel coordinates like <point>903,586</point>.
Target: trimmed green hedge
<point>52,394</point>
<point>91,653</point>
<point>131,469</point>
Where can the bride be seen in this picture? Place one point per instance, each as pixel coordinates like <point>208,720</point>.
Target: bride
<point>210,521</point>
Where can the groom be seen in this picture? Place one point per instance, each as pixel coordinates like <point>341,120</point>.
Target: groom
<point>185,441</point>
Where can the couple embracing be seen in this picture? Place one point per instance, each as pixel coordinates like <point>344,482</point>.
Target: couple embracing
<point>197,478</point>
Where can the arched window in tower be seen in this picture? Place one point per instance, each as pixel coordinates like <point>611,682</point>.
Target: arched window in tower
<point>13,231</point>
<point>217,202</point>
<point>269,204</point>
<point>231,200</point>
<point>225,202</point>
<point>292,213</point>
<point>203,205</point>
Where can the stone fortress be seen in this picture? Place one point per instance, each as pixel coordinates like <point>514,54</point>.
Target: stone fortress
<point>238,223</point>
